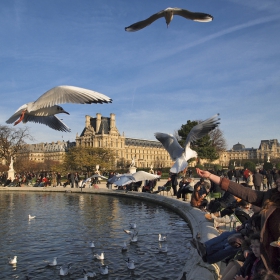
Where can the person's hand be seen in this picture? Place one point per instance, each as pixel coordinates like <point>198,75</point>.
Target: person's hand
<point>240,277</point>
<point>202,173</point>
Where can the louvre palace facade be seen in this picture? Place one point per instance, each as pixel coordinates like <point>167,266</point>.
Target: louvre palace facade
<point>101,132</point>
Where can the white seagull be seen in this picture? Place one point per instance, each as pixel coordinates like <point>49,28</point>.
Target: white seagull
<point>177,153</point>
<point>161,238</point>
<point>54,262</point>
<point>63,271</point>
<point>89,274</point>
<point>13,260</point>
<point>31,217</point>
<point>92,244</point>
<point>130,264</point>
<point>99,257</point>
<point>104,269</point>
<point>124,247</point>
<point>44,109</point>
<point>134,235</point>
<point>168,14</point>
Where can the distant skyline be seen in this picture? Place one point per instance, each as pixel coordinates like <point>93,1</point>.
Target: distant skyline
<point>158,77</point>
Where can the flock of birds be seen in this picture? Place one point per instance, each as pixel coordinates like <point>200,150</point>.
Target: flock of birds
<point>64,270</point>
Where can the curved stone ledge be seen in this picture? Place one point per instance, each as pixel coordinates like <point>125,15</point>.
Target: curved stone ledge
<point>195,268</point>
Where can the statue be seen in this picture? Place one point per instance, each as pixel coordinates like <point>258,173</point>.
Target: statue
<point>268,159</point>
<point>151,170</point>
<point>11,167</point>
<point>132,162</point>
<point>97,169</point>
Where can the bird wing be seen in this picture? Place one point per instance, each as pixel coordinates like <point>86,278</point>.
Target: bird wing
<point>201,17</point>
<point>143,23</point>
<point>202,129</point>
<point>171,144</point>
<point>17,114</point>
<point>51,121</point>
<point>69,94</point>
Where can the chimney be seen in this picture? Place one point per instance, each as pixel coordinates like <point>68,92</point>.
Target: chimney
<point>98,121</point>
<point>112,120</point>
<point>87,121</point>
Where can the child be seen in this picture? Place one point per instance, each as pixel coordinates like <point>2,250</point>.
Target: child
<point>253,263</point>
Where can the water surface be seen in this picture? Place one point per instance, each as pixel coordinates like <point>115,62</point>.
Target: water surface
<point>65,224</point>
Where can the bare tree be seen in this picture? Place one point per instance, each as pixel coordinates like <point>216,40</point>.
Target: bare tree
<point>12,140</point>
<point>218,140</point>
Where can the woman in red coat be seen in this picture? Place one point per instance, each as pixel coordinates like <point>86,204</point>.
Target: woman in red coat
<point>269,201</point>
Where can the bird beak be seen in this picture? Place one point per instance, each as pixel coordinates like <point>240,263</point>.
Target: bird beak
<point>66,113</point>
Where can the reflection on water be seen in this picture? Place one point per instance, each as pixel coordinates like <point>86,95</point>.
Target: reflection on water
<point>66,223</point>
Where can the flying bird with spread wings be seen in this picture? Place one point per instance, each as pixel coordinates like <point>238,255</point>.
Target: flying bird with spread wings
<point>168,14</point>
<point>182,155</point>
<point>44,109</point>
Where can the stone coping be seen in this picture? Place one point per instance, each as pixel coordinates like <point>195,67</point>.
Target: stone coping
<point>195,268</point>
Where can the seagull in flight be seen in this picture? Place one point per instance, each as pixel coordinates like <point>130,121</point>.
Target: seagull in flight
<point>168,14</point>
<point>45,108</point>
<point>134,234</point>
<point>13,260</point>
<point>182,155</point>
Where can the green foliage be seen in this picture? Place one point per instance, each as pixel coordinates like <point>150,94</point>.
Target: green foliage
<point>277,165</point>
<point>267,166</point>
<point>250,165</point>
<point>204,146</point>
<point>84,158</point>
<point>217,167</point>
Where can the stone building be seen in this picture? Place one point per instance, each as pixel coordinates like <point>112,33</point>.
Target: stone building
<point>268,149</point>
<point>102,132</point>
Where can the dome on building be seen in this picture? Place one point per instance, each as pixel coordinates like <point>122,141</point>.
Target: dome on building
<point>238,147</point>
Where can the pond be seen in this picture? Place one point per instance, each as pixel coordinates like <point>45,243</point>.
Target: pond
<point>66,223</point>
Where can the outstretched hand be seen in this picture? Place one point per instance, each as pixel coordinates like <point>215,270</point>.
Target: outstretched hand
<point>202,173</point>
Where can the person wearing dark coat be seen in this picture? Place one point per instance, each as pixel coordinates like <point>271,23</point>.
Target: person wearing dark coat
<point>269,201</point>
<point>174,183</point>
<point>237,175</point>
<point>269,179</point>
<point>257,180</point>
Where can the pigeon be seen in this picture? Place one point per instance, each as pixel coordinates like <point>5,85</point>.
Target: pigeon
<point>168,14</point>
<point>89,274</point>
<point>31,217</point>
<point>104,269</point>
<point>130,264</point>
<point>177,153</point>
<point>99,257</point>
<point>13,260</point>
<point>44,109</point>
<point>54,262</point>
<point>124,247</point>
<point>161,238</point>
<point>92,244</point>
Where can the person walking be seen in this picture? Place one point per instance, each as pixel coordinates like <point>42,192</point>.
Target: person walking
<point>257,180</point>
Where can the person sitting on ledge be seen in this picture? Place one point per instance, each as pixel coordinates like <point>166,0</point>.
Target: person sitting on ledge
<point>269,201</point>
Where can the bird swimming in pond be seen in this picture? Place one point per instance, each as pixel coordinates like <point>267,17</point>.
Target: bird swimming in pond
<point>13,260</point>
<point>54,262</point>
<point>89,274</point>
<point>99,257</point>
<point>168,14</point>
<point>31,217</point>
<point>161,238</point>
<point>124,247</point>
<point>133,225</point>
<point>63,271</point>
<point>130,264</point>
<point>92,244</point>
<point>104,269</point>
<point>45,108</point>
<point>182,155</point>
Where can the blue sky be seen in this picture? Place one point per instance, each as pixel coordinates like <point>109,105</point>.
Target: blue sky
<point>158,78</point>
